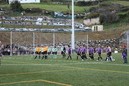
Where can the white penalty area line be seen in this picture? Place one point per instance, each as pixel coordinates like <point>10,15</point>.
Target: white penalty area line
<point>34,81</point>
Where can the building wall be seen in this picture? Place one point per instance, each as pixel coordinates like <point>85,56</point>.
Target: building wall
<point>26,1</point>
<point>97,28</point>
<point>85,0</point>
<point>92,21</point>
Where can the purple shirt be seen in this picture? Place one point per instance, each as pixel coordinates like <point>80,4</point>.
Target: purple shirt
<point>91,50</point>
<point>99,50</point>
<point>69,50</point>
<point>78,50</point>
<point>83,49</point>
<point>124,53</point>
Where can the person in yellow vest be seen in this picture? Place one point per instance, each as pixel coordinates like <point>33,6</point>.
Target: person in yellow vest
<point>37,52</point>
<point>42,52</point>
<point>45,49</point>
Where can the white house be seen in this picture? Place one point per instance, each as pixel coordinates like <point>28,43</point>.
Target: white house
<point>85,0</point>
<point>26,1</point>
<point>97,28</point>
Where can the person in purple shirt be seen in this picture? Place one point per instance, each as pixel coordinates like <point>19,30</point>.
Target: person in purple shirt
<point>91,53</point>
<point>83,52</point>
<point>69,52</point>
<point>99,51</point>
<point>124,54</point>
<point>109,54</point>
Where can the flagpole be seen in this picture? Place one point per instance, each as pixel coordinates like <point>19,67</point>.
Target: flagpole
<point>73,32</point>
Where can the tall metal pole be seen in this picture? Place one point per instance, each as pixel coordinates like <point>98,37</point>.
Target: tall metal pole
<point>53,39</point>
<point>11,43</point>
<point>128,41</point>
<point>33,44</point>
<point>73,32</point>
<point>87,43</point>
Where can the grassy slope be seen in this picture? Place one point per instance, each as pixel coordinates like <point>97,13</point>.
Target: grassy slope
<point>108,27</point>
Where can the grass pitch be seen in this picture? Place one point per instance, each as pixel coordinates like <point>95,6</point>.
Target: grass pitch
<point>25,71</point>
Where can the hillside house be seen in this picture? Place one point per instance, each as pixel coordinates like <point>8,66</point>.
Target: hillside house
<point>25,1</point>
<point>85,0</point>
<point>97,28</point>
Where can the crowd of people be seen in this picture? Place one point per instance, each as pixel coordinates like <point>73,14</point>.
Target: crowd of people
<point>82,50</point>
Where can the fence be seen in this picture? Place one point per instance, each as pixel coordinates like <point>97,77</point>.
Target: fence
<point>28,40</point>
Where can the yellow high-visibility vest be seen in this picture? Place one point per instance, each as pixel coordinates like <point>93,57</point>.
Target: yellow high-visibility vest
<point>45,48</point>
<point>38,49</point>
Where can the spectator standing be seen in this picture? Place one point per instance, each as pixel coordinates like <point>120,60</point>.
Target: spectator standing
<point>69,52</point>
<point>124,54</point>
<point>1,50</point>
<point>63,51</point>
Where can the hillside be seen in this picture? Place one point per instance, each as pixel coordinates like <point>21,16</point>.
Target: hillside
<point>111,30</point>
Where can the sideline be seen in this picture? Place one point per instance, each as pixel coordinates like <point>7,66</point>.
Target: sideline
<point>33,81</point>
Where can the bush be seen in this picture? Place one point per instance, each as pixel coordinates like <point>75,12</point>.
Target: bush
<point>124,9</point>
<point>16,6</point>
<point>104,4</point>
<point>33,10</point>
<point>92,15</point>
<point>108,18</point>
<point>123,14</point>
<point>86,3</point>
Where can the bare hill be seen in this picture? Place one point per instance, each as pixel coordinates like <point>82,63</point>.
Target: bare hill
<point>26,38</point>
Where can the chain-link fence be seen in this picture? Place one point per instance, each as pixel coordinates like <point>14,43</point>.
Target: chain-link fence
<point>25,42</point>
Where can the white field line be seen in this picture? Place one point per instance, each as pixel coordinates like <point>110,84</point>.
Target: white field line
<point>104,63</point>
<point>34,81</point>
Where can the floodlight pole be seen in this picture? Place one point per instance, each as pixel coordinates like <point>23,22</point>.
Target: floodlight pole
<point>128,41</point>
<point>53,39</point>
<point>87,43</point>
<point>11,43</point>
<point>73,32</point>
<point>33,44</point>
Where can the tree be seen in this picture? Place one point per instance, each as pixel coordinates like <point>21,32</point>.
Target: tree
<point>16,6</point>
<point>3,1</point>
